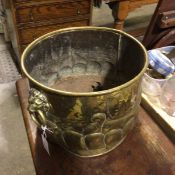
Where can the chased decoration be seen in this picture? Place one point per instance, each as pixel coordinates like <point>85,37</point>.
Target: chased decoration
<point>86,136</point>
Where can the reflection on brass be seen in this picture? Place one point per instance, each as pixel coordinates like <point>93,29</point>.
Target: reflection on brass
<point>85,86</point>
<point>38,108</point>
<point>84,135</point>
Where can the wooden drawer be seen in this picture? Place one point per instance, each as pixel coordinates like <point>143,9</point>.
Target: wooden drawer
<point>34,1</point>
<point>19,1</point>
<point>29,34</point>
<point>52,11</point>
<point>22,48</point>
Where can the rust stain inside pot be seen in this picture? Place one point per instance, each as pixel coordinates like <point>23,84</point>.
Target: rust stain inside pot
<point>85,83</point>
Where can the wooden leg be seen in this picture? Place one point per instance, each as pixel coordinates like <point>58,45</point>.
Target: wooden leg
<point>120,11</point>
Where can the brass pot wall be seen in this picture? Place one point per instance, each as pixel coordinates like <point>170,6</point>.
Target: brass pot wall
<point>85,123</point>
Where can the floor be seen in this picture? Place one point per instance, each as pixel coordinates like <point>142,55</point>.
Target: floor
<point>15,156</point>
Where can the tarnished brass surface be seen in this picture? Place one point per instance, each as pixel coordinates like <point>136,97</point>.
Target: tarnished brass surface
<point>90,121</point>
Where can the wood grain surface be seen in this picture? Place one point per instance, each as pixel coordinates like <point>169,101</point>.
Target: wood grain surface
<point>51,11</point>
<point>145,151</point>
<point>26,36</point>
<point>156,36</point>
<point>29,19</point>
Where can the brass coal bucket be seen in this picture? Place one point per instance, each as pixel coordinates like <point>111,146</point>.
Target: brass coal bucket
<point>85,86</point>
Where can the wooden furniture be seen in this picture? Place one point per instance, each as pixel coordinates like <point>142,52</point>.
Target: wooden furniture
<point>121,8</point>
<point>161,30</point>
<point>145,151</point>
<point>29,19</point>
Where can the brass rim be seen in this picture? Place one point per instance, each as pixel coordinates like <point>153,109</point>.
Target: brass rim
<point>48,35</point>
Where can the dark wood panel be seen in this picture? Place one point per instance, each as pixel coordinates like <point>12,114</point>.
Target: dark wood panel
<point>19,1</point>
<point>29,19</point>
<point>22,47</point>
<point>52,11</point>
<point>53,21</point>
<point>29,34</point>
<point>32,2</point>
<point>145,151</point>
<point>156,36</point>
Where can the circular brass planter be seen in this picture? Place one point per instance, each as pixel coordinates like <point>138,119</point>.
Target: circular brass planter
<point>85,86</point>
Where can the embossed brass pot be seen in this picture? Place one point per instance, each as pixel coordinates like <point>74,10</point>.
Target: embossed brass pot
<point>85,86</point>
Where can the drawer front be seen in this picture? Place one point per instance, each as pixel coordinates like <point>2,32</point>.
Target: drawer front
<point>26,36</point>
<point>22,48</point>
<point>52,11</point>
<point>19,1</point>
<point>34,1</point>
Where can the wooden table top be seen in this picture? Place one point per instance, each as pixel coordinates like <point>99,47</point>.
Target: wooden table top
<point>145,151</point>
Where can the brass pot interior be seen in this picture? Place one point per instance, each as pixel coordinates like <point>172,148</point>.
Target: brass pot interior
<point>85,60</point>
